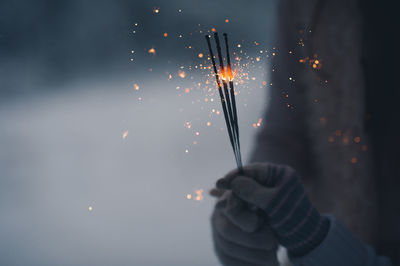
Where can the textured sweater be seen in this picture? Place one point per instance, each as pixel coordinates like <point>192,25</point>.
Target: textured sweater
<point>336,122</point>
<point>341,248</point>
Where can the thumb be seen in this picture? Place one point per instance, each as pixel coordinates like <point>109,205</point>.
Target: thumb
<point>239,214</point>
<point>252,192</point>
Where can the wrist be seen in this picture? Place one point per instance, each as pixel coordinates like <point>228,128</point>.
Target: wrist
<point>308,235</point>
<point>296,222</point>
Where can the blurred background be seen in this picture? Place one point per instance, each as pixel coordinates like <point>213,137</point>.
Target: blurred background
<point>111,133</point>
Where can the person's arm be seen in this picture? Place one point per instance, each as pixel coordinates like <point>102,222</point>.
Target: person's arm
<point>340,247</point>
<point>311,238</point>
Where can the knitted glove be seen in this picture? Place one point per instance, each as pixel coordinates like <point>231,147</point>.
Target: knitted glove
<point>240,236</point>
<point>279,193</point>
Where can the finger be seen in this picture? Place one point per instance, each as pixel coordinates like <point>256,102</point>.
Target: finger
<point>252,192</point>
<point>215,192</point>
<point>261,239</point>
<point>255,256</point>
<point>265,173</point>
<point>238,212</point>
<point>223,200</point>
<point>224,183</point>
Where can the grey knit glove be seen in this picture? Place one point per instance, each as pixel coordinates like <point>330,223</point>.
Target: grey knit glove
<point>279,193</point>
<point>241,236</point>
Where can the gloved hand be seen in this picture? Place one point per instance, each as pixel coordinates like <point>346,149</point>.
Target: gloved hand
<point>278,192</point>
<point>241,236</point>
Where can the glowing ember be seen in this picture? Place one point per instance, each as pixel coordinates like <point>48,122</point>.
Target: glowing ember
<point>199,195</point>
<point>354,160</point>
<point>226,20</point>
<point>315,63</point>
<point>181,74</point>
<point>136,87</point>
<point>213,29</point>
<point>125,134</point>
<point>165,34</point>
<point>364,147</point>
<point>152,51</point>
<point>200,55</point>
<point>258,124</point>
<point>188,124</point>
<point>224,75</point>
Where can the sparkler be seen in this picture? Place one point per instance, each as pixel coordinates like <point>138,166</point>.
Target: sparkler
<point>228,101</point>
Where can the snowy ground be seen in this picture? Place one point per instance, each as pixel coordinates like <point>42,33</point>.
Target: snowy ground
<point>62,153</point>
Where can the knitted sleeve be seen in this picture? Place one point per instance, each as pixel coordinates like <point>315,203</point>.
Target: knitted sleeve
<point>341,247</point>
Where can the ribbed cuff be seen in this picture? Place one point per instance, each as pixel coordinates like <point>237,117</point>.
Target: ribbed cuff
<point>340,247</point>
<point>308,236</point>
<point>298,225</point>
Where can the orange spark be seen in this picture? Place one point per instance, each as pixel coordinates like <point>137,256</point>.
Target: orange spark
<point>364,147</point>
<point>165,34</point>
<point>213,29</point>
<point>228,74</point>
<point>181,74</point>
<point>199,194</point>
<point>226,20</point>
<point>258,124</point>
<point>125,134</point>
<point>200,55</point>
<point>152,51</point>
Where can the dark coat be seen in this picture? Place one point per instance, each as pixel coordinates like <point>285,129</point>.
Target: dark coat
<point>332,119</point>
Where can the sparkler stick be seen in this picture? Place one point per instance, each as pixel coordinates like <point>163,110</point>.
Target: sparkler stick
<point>227,100</point>
<point>223,102</point>
<point>232,91</point>
<point>227,97</point>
